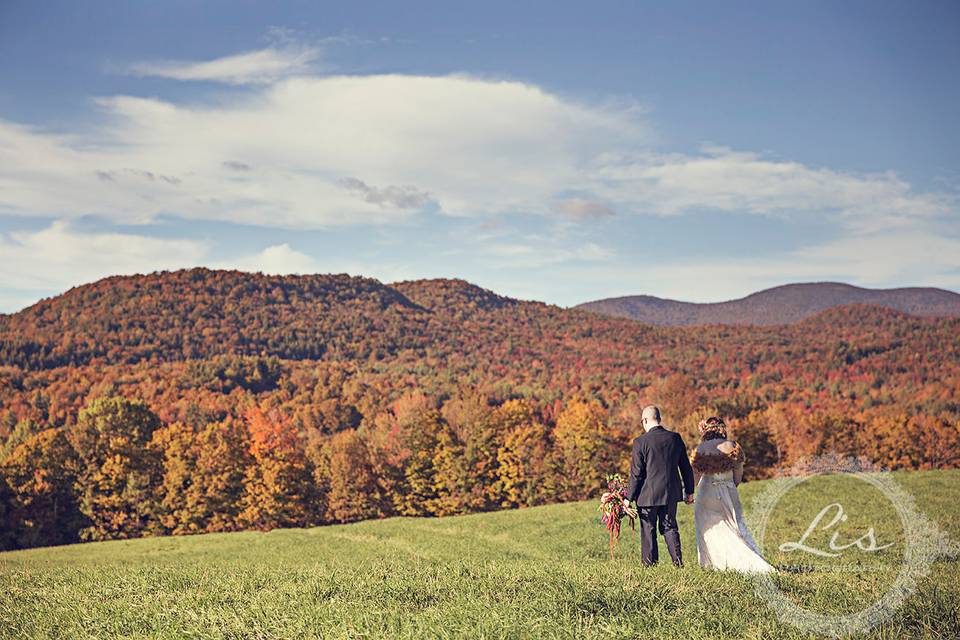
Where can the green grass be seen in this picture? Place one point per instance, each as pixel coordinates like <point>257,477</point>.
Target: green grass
<point>542,572</point>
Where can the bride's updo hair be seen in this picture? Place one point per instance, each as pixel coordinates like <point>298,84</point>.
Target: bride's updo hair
<point>713,428</point>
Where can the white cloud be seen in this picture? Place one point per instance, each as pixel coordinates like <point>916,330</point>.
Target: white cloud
<point>280,259</point>
<point>917,256</point>
<point>58,256</point>
<point>743,182</point>
<point>263,66</point>
<point>475,146</point>
<point>309,152</point>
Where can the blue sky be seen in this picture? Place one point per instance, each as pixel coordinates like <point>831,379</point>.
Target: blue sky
<point>547,150</point>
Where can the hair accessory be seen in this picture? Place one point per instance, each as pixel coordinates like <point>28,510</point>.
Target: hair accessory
<point>712,424</point>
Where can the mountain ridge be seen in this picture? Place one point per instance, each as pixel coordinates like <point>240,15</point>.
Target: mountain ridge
<point>784,304</point>
<point>187,314</point>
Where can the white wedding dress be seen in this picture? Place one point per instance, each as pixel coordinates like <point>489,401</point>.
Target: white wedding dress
<point>723,541</point>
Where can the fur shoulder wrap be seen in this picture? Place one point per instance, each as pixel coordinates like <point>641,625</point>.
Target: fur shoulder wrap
<point>717,462</point>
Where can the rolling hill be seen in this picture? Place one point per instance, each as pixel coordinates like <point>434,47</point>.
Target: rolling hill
<point>779,305</point>
<point>203,330</point>
<point>199,313</point>
<point>430,397</point>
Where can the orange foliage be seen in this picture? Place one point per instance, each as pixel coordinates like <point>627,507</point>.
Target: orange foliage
<point>278,486</point>
<point>428,398</point>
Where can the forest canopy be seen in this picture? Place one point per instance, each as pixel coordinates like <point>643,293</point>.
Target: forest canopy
<point>198,400</point>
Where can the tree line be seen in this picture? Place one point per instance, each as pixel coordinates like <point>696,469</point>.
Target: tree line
<point>119,471</point>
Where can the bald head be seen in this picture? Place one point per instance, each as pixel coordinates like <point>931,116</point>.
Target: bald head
<point>650,417</point>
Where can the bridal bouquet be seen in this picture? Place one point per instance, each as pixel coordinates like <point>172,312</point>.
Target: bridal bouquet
<point>614,507</point>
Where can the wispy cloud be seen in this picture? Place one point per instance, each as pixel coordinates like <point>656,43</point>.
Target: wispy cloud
<point>58,256</point>
<point>583,209</point>
<point>309,152</point>
<point>725,180</point>
<point>263,66</point>
<point>401,197</point>
<point>475,146</point>
<point>536,253</point>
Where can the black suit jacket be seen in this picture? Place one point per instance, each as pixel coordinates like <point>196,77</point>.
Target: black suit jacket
<point>658,456</point>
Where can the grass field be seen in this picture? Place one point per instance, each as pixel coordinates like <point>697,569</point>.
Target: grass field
<point>542,572</point>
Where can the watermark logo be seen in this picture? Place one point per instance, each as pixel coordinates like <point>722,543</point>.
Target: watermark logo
<point>828,536</point>
<point>866,542</point>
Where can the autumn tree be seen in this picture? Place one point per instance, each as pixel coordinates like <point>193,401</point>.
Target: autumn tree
<point>937,441</point>
<point>421,484</point>
<point>41,473</point>
<point>178,509</point>
<point>470,452</point>
<point>583,452</point>
<point>203,475</point>
<point>897,441</point>
<point>676,395</point>
<point>353,493</point>
<point>455,489</point>
<point>22,431</point>
<point>278,485</point>
<point>783,423</point>
<point>118,471</point>
<point>404,450</point>
<point>521,459</point>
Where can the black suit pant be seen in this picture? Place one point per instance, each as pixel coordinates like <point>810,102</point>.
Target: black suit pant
<point>664,519</point>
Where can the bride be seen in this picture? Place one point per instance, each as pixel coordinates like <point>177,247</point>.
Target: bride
<point>723,541</point>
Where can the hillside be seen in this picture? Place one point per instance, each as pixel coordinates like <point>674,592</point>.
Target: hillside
<point>457,296</point>
<point>190,314</point>
<point>199,313</point>
<point>540,572</point>
<point>237,401</point>
<point>779,305</point>
<point>176,337</point>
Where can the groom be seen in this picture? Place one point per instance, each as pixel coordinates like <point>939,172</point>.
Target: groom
<point>659,460</point>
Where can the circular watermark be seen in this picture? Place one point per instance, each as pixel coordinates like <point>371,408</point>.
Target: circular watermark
<point>923,541</point>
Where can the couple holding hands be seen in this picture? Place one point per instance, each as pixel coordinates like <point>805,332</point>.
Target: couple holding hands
<point>661,475</point>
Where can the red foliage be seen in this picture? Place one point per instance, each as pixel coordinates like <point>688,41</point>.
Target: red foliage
<point>418,378</point>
